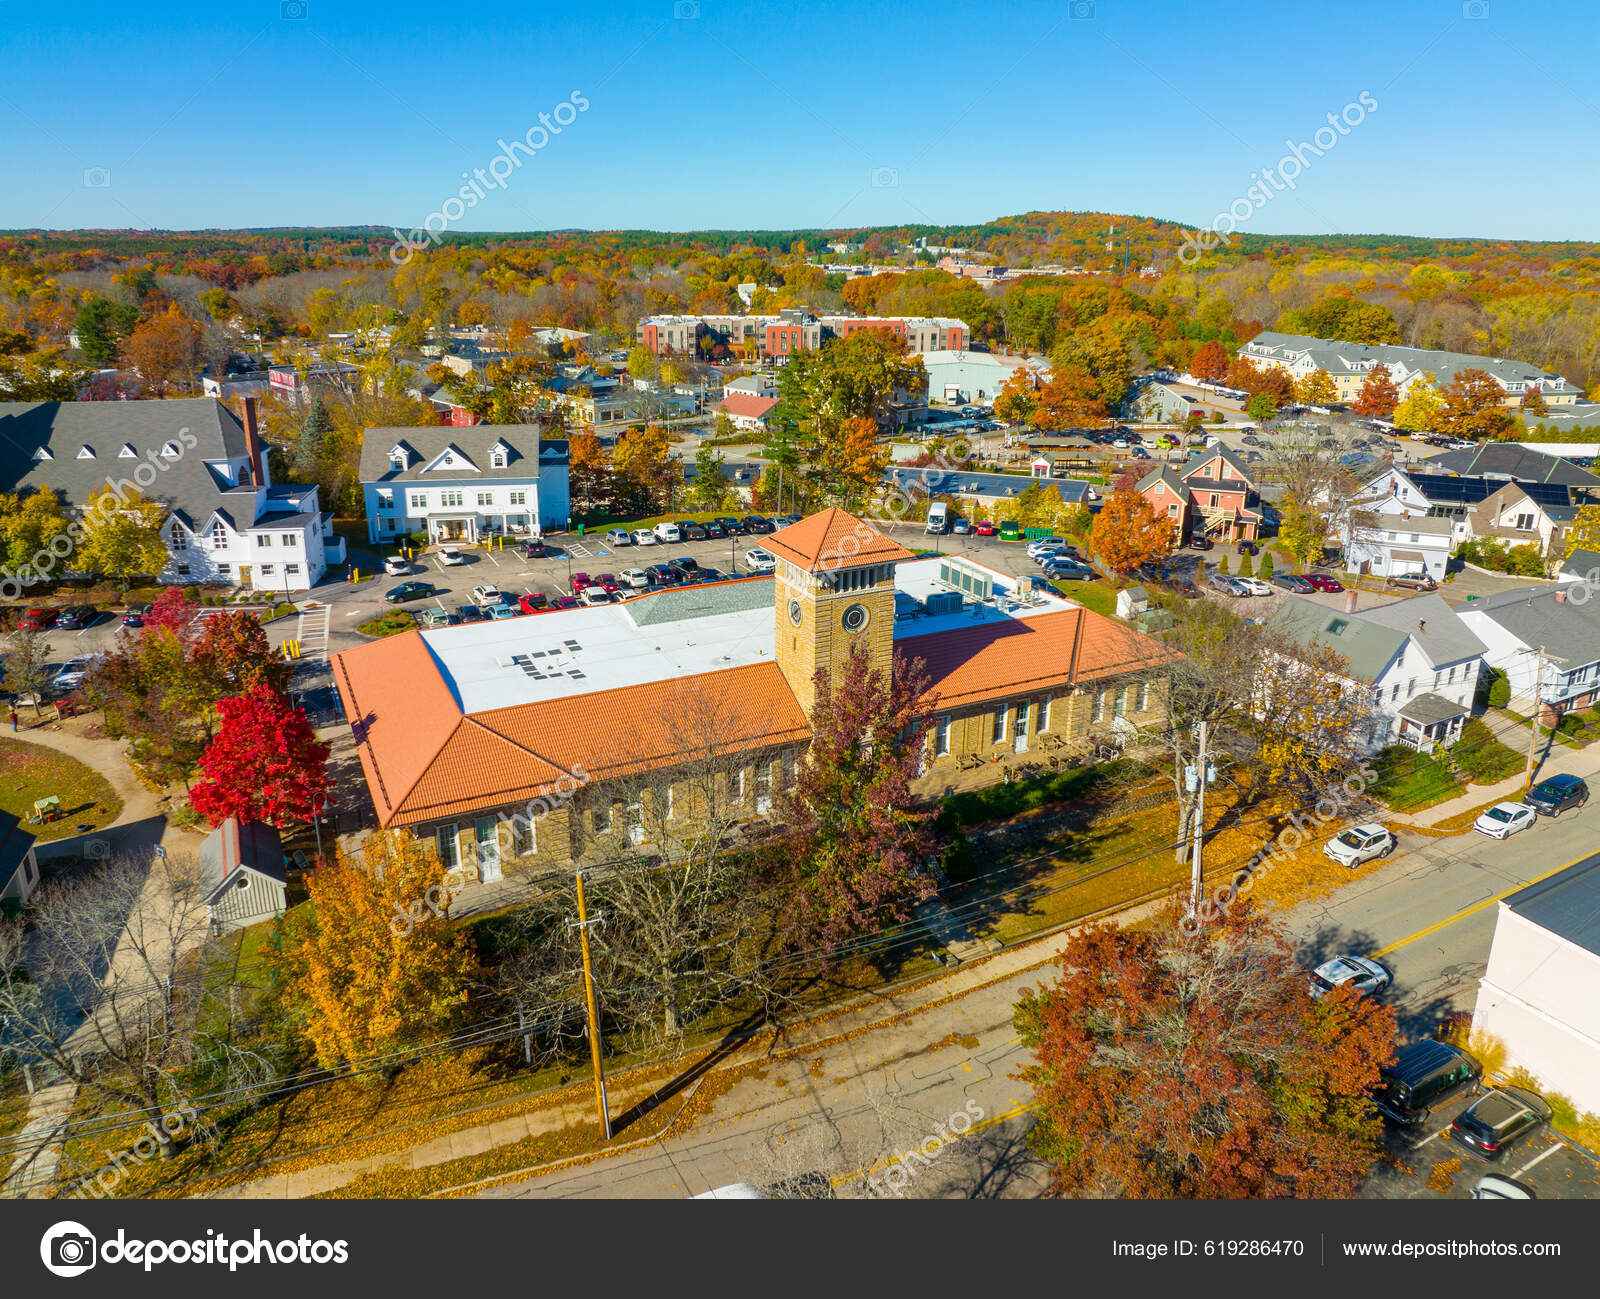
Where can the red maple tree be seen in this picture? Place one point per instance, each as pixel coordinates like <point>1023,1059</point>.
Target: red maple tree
<point>1379,395</point>
<point>173,611</point>
<point>265,764</point>
<point>1210,362</point>
<point>1177,1065</point>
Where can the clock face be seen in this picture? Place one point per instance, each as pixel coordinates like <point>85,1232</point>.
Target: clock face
<point>855,617</point>
<point>794,612</point>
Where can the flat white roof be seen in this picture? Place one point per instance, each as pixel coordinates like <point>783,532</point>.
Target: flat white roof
<point>545,656</point>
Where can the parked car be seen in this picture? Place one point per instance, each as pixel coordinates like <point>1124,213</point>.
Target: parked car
<point>731,527</point>
<point>579,580</point>
<point>662,575</point>
<point>135,615</point>
<point>1039,545</point>
<point>668,532</point>
<point>1505,819</point>
<point>1551,797</point>
<point>537,550</point>
<point>74,672</point>
<point>635,579</point>
<point>1422,1075</point>
<point>1322,582</point>
<point>1499,1120</point>
<point>498,612</point>
<point>1293,583</point>
<point>788,520</point>
<point>450,556</point>
<point>1412,582</point>
<point>565,602</point>
<point>533,602</point>
<point>1358,973</point>
<point>1491,1186</point>
<point>1182,586</point>
<point>682,565</point>
<point>39,619</point>
<point>397,566</point>
<point>1254,585</point>
<point>75,617</point>
<point>431,618</point>
<point>402,594</point>
<point>758,560</point>
<point>1227,585</point>
<point>1199,541</point>
<point>607,582</point>
<point>1247,548</point>
<point>714,530</point>
<point>984,529</point>
<point>591,595</point>
<point>469,613</point>
<point>645,537</point>
<point>620,537</point>
<point>961,528</point>
<point>1360,843</point>
<point>755,525</point>
<point>487,596</point>
<point>692,531</point>
<point>1069,570</point>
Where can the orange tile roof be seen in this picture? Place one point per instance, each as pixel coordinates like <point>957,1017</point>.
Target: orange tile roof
<point>834,539</point>
<point>747,403</point>
<point>994,660</point>
<point>425,761</point>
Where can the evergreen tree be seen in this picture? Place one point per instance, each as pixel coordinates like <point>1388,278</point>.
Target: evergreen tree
<point>313,436</point>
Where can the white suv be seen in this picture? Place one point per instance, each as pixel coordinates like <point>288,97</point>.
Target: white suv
<point>758,560</point>
<point>667,532</point>
<point>1360,843</point>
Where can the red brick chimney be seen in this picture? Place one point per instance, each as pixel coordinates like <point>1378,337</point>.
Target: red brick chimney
<point>253,450</point>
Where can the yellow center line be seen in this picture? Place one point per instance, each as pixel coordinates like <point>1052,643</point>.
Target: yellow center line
<point>1477,907</point>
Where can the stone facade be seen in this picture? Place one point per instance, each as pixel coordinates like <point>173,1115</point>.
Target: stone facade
<point>815,621</point>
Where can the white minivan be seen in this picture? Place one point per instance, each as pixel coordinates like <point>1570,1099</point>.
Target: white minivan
<point>667,532</point>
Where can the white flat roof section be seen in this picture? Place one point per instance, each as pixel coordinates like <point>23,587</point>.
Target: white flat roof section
<point>991,597</point>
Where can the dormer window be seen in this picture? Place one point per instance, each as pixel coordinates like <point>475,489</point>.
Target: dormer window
<point>127,452</point>
<point>497,457</point>
<point>398,459</point>
<point>85,453</point>
<point>170,451</point>
<point>219,536</point>
<point>42,453</point>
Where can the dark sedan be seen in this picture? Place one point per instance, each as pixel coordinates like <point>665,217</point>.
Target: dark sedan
<point>408,591</point>
<point>1498,1120</point>
<point>730,527</point>
<point>755,525</point>
<point>135,615</point>
<point>661,575</point>
<point>692,531</point>
<point>1200,542</point>
<point>1293,583</point>
<point>714,530</point>
<point>1554,796</point>
<point>76,617</point>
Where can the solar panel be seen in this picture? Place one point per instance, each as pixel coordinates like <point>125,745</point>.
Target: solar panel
<point>549,664</point>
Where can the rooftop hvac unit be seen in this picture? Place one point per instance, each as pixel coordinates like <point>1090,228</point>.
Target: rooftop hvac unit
<point>941,602</point>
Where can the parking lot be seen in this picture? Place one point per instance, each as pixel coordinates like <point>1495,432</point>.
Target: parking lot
<point>1429,1165</point>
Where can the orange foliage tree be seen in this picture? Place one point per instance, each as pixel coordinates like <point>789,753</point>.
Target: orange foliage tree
<point>1128,533</point>
<point>1210,362</point>
<point>1379,395</point>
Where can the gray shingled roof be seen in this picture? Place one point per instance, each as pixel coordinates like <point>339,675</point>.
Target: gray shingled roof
<point>1426,709</point>
<point>1338,357</point>
<point>1567,904</point>
<point>1569,631</point>
<point>232,847</point>
<point>64,428</point>
<point>678,603</point>
<point>954,483</point>
<point>427,441</point>
<point>1441,635</point>
<point>1510,460</point>
<point>1580,563</point>
<point>1367,646</point>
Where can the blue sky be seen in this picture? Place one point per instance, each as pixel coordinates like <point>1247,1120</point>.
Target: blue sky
<point>798,113</point>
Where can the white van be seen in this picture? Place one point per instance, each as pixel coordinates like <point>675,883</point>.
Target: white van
<point>667,532</point>
<point>938,517</point>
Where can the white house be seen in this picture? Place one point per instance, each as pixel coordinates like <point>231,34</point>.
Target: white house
<point>1418,658</point>
<point>1545,636</point>
<point>1398,545</point>
<point>1537,992</point>
<point>242,874</point>
<point>227,520</point>
<point>463,483</point>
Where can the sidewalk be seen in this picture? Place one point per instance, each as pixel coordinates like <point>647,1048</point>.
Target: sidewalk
<point>1559,760</point>
<point>550,1112</point>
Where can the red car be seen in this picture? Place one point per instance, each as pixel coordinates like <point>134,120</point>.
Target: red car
<point>985,529</point>
<point>566,602</point>
<point>38,619</point>
<point>607,582</point>
<point>533,602</point>
<point>1323,582</point>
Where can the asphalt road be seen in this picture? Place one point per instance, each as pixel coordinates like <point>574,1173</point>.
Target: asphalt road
<point>835,1118</point>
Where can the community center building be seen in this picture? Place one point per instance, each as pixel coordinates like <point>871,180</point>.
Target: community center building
<point>537,740</point>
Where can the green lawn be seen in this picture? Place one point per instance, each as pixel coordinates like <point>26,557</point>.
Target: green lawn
<point>1409,781</point>
<point>1480,757</point>
<point>1098,597</point>
<point>391,623</point>
<point>30,771</point>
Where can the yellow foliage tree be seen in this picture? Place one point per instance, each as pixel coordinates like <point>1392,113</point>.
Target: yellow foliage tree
<point>374,962</point>
<point>1316,389</point>
<point>1422,408</point>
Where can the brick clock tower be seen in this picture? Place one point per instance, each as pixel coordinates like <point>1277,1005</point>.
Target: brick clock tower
<point>834,588</point>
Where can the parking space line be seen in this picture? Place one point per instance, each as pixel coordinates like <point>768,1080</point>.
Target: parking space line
<point>1417,1145</point>
<point>489,555</point>
<point>1535,1162</point>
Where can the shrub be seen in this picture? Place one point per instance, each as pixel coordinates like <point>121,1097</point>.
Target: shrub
<point>1222,563</point>
<point>1264,571</point>
<point>191,593</point>
<point>1245,568</point>
<point>1216,417</point>
<point>1499,689</point>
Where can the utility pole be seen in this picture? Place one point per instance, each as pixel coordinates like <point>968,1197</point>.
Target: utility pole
<point>1200,770</point>
<point>582,926</point>
<point>1538,715</point>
